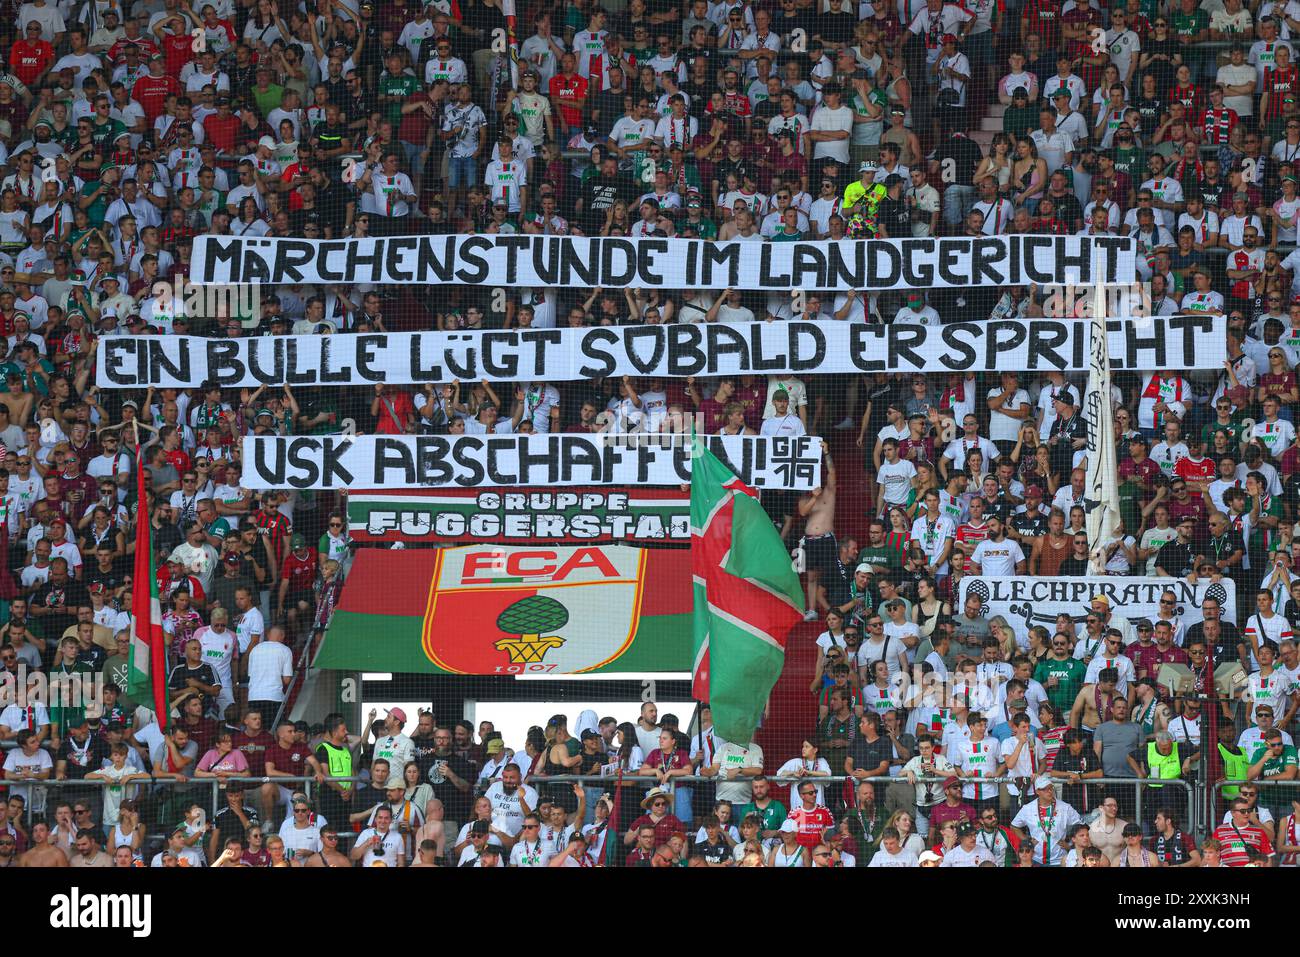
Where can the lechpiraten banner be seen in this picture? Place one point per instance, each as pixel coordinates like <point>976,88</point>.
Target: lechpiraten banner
<point>672,351</point>
<point>337,462</point>
<point>615,262</point>
<point>1027,601</point>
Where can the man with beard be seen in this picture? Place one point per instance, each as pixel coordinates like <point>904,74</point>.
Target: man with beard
<point>54,602</point>
<point>463,744</point>
<point>451,778</point>
<point>1225,637</point>
<point>997,555</point>
<point>599,194</point>
<point>423,741</point>
<point>511,800</point>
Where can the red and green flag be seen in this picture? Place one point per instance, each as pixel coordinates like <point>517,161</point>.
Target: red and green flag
<point>747,597</point>
<point>147,679</point>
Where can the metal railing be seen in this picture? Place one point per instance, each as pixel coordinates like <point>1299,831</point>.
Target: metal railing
<point>1139,785</point>
<point>1188,805</point>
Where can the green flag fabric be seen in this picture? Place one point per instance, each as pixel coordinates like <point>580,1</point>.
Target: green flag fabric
<point>747,598</point>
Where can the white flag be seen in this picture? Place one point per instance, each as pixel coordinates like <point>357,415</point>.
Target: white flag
<point>1101,488</point>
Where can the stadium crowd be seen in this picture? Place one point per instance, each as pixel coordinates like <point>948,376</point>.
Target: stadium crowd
<point>129,129</point>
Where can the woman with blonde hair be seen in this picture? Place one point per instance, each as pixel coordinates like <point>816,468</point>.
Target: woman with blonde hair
<point>1001,629</point>
<point>275,847</point>
<point>908,840</point>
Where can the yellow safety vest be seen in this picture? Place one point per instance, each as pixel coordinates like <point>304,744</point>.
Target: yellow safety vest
<point>1165,767</point>
<point>340,763</point>
<point>1235,767</point>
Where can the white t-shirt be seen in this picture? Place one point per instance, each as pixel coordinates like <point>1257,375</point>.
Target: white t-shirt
<point>931,536</point>
<point>386,850</point>
<point>219,652</point>
<point>826,119</point>
<point>388,193</point>
<point>250,625</point>
<point>397,750</point>
<point>897,480</point>
<point>268,664</point>
<point>904,858</point>
<point>998,558</point>
<point>1002,427</point>
<point>16,760</point>
<point>506,806</point>
<point>729,756</point>
<point>525,855</point>
<point>1122,663</point>
<point>505,180</point>
<point>300,842</point>
<point>792,767</point>
<point>1047,830</point>
<point>960,857</point>
<point>977,759</point>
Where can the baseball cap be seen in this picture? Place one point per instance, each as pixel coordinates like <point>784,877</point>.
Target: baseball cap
<point>864,567</point>
<point>496,745</point>
<point>866,165</point>
<point>267,142</point>
<point>397,713</point>
<point>788,826</point>
<point>950,38</point>
<point>1033,491</point>
<point>296,540</point>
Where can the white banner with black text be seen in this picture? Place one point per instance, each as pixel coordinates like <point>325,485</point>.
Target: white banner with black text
<point>616,262</point>
<point>673,351</point>
<point>1027,601</point>
<point>473,461</point>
